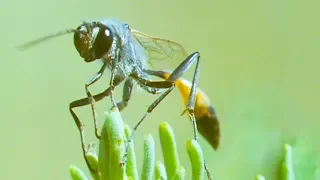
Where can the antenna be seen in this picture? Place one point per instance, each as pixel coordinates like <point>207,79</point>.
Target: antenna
<point>45,38</point>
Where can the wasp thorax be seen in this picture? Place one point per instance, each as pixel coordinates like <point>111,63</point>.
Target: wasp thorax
<point>93,40</point>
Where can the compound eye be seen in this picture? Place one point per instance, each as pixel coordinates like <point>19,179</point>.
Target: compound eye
<point>77,40</point>
<point>103,42</point>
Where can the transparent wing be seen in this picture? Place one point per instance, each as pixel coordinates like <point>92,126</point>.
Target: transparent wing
<point>160,49</point>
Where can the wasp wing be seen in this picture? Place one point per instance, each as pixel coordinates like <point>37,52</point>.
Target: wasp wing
<point>160,49</point>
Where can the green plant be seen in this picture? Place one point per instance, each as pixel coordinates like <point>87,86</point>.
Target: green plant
<point>112,147</point>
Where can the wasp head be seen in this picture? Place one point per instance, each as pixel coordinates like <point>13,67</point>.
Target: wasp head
<point>93,40</point>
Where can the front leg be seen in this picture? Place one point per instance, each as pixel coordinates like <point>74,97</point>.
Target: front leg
<point>95,78</point>
<point>84,102</point>
<point>91,100</point>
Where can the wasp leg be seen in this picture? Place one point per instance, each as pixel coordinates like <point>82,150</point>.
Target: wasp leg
<point>84,102</point>
<point>166,84</point>
<point>94,79</point>
<point>176,74</point>
<point>192,100</point>
<point>170,84</point>
<point>164,75</point>
<point>126,95</point>
<point>152,90</point>
<point>150,109</point>
<point>112,85</point>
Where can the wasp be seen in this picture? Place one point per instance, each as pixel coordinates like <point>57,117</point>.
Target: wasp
<point>127,54</point>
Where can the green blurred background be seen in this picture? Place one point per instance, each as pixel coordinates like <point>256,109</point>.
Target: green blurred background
<point>260,62</point>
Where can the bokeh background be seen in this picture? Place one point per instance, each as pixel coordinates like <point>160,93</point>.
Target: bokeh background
<point>260,62</point>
